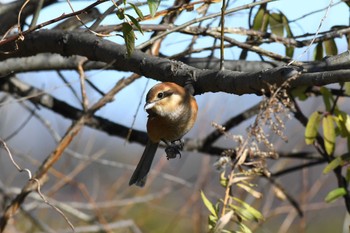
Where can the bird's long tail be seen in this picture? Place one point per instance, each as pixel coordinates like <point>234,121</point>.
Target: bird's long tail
<point>139,176</point>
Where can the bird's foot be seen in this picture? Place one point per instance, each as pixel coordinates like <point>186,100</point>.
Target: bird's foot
<point>174,149</point>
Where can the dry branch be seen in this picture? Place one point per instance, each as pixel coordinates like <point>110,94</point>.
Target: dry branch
<point>71,132</point>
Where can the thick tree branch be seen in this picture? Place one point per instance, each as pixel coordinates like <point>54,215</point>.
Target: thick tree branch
<point>162,69</point>
<point>23,91</point>
<point>48,61</point>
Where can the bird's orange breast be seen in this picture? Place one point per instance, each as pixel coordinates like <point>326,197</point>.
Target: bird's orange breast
<point>162,128</point>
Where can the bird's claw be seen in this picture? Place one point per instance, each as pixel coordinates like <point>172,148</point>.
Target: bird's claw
<point>172,152</point>
<point>174,149</point>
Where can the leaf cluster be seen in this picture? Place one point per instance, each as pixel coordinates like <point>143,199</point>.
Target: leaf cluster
<point>278,23</point>
<point>335,125</point>
<point>233,214</point>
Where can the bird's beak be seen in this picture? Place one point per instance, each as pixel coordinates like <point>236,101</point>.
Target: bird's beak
<point>149,105</point>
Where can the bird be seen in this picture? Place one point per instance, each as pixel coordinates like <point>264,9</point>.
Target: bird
<point>172,112</point>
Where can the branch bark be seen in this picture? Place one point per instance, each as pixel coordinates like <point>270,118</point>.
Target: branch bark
<point>162,69</point>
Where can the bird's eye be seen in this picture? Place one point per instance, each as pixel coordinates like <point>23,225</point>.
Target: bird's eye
<point>160,95</point>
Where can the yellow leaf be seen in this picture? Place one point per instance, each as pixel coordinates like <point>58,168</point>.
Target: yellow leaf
<point>129,37</point>
<point>332,165</point>
<point>347,88</point>
<point>331,47</point>
<point>153,6</point>
<point>208,204</point>
<point>253,192</point>
<point>328,133</point>
<point>276,24</point>
<point>312,127</point>
<point>261,19</point>
<point>335,194</point>
<point>318,53</point>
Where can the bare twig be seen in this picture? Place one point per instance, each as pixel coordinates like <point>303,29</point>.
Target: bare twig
<point>37,185</point>
<point>6,40</point>
<point>222,35</point>
<point>85,100</point>
<point>317,31</point>
<point>37,13</point>
<point>136,112</point>
<point>197,20</point>
<point>62,145</point>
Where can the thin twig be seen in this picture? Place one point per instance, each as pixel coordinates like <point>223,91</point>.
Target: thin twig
<point>136,112</point>
<point>222,35</point>
<point>36,13</point>
<point>5,40</point>
<point>197,20</point>
<point>71,132</point>
<point>314,38</point>
<point>38,187</point>
<point>85,100</point>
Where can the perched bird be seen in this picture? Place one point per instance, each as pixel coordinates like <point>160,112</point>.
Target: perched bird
<point>172,111</point>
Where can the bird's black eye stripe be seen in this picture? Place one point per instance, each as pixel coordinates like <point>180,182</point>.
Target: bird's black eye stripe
<point>160,95</point>
<point>164,94</point>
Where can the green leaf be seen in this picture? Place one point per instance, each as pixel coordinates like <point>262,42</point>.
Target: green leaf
<point>223,180</point>
<point>208,204</point>
<point>120,14</point>
<point>213,218</point>
<point>244,228</point>
<point>129,38</point>
<point>342,119</point>
<point>137,10</point>
<point>242,213</point>
<point>153,6</point>
<point>318,53</point>
<point>327,98</point>
<point>335,194</point>
<point>299,92</point>
<point>331,47</point>
<point>135,22</point>
<point>347,88</point>
<point>261,19</point>
<point>312,127</point>
<point>289,51</point>
<point>255,213</point>
<point>328,133</point>
<point>212,221</point>
<point>332,165</point>
<point>347,122</point>
<point>285,22</point>
<point>347,177</point>
<point>276,23</point>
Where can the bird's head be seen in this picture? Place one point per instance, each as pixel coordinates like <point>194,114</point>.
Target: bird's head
<point>166,100</point>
